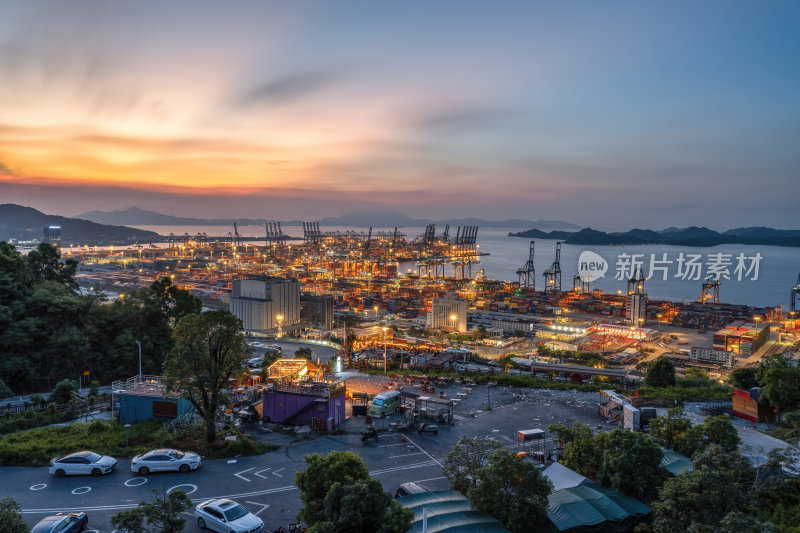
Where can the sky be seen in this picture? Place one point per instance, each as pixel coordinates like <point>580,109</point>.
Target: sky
<point>606,114</point>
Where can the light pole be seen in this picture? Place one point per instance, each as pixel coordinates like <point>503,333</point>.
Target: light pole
<point>453,319</point>
<point>127,428</point>
<point>280,326</point>
<point>384,350</point>
<point>139,343</point>
<point>376,312</point>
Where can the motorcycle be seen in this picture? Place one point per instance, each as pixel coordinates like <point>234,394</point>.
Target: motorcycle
<point>369,433</point>
<point>428,428</point>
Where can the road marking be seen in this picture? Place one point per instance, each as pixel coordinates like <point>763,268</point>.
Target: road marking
<point>75,491</point>
<point>240,476</point>
<point>430,479</point>
<point>259,473</point>
<point>390,445</point>
<point>194,488</point>
<point>131,506</point>
<point>38,486</point>
<point>423,451</point>
<point>142,479</point>
<point>279,470</point>
<point>404,455</point>
<point>404,467</point>
<point>262,505</point>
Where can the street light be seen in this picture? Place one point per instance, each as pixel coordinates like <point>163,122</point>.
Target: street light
<point>376,312</point>
<point>384,349</point>
<point>453,322</point>
<point>280,326</point>
<point>127,428</point>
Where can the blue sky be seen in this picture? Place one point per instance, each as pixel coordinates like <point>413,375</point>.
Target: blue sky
<point>609,114</point>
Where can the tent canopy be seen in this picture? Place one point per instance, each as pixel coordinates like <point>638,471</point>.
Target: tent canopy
<point>449,512</point>
<point>585,507</point>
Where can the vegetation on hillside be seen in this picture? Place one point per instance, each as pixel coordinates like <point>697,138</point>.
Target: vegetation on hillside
<point>49,331</point>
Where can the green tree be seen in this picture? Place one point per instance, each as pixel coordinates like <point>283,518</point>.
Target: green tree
<point>631,463</point>
<point>512,490</point>
<point>94,387</point>
<point>162,515</point>
<point>714,430</point>
<point>702,498</point>
<point>584,453</point>
<point>744,378</point>
<point>5,390</point>
<point>339,496</point>
<point>480,333</point>
<point>463,463</point>
<point>661,373</point>
<point>304,353</point>
<point>780,382</point>
<point>696,373</point>
<point>62,393</point>
<point>362,505</point>
<point>209,350</point>
<point>46,265</point>
<point>668,430</point>
<point>506,362</point>
<point>11,517</point>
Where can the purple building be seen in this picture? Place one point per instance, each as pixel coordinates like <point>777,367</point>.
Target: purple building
<point>317,404</point>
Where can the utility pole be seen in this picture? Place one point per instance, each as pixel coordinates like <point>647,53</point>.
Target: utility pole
<point>139,343</point>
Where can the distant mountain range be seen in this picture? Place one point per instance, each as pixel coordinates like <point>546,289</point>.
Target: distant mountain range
<point>26,223</point>
<point>692,236</point>
<point>134,216</point>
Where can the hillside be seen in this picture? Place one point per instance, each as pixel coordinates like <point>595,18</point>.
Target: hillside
<point>26,223</point>
<point>692,236</point>
<point>135,216</point>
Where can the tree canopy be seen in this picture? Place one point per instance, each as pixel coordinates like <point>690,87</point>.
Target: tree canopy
<point>463,463</point>
<point>11,517</point>
<point>660,373</point>
<point>670,429</point>
<point>162,515</point>
<point>780,382</point>
<point>717,430</point>
<point>513,490</point>
<point>339,496</point>
<point>49,331</point>
<point>209,350</point>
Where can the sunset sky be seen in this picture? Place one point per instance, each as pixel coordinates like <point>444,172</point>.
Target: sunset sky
<point>609,114</point>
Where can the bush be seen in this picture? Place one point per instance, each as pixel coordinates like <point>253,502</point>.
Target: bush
<point>37,447</point>
<point>62,393</point>
<point>31,419</point>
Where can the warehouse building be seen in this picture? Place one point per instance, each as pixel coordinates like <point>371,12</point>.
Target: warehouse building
<point>267,304</point>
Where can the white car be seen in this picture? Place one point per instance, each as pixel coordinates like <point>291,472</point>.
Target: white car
<point>164,460</point>
<point>227,516</point>
<point>82,463</point>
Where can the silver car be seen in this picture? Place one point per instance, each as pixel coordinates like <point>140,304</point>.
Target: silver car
<point>227,516</point>
<point>82,463</point>
<point>164,460</point>
<point>62,523</point>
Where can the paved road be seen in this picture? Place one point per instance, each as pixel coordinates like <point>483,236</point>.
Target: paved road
<point>265,483</point>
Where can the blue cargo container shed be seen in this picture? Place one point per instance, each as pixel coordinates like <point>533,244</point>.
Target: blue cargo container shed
<point>143,398</point>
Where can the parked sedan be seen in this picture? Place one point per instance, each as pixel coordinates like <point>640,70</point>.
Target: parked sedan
<point>164,461</point>
<point>227,516</point>
<point>82,463</point>
<point>62,523</point>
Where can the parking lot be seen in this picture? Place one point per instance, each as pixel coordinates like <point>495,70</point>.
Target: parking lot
<point>265,484</point>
